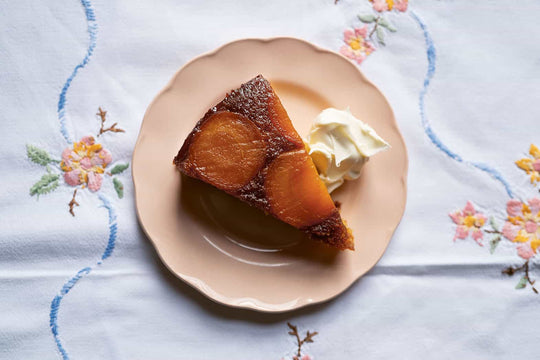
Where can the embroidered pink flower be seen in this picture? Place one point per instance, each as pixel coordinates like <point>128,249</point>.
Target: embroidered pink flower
<point>525,251</point>
<point>468,221</point>
<point>357,46</point>
<point>523,226</point>
<point>85,163</point>
<point>531,165</point>
<point>389,5</point>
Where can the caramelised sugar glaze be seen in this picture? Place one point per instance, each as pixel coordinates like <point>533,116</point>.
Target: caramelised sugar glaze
<point>247,146</point>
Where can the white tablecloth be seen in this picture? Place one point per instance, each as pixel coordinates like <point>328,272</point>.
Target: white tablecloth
<point>462,77</point>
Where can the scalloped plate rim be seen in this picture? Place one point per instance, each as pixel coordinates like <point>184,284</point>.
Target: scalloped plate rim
<point>251,303</point>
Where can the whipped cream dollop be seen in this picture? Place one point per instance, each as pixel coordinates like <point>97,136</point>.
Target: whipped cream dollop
<point>340,144</point>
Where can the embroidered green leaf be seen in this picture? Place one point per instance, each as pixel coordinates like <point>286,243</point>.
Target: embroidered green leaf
<point>45,185</point>
<point>119,187</point>
<point>493,243</point>
<point>384,23</point>
<point>380,35</point>
<point>117,169</point>
<point>367,18</point>
<point>493,224</point>
<point>38,155</point>
<point>522,283</point>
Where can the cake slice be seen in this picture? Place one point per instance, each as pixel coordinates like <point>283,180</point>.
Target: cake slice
<point>247,146</point>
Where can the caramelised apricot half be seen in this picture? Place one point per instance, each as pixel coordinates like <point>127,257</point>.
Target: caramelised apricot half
<point>247,146</point>
<point>294,194</point>
<point>227,151</point>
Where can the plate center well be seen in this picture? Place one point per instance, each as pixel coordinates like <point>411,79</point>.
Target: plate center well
<point>242,225</point>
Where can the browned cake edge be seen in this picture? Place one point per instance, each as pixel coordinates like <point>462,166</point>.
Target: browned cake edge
<point>332,231</point>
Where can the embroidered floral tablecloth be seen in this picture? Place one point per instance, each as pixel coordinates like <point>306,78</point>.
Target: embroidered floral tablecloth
<point>79,280</point>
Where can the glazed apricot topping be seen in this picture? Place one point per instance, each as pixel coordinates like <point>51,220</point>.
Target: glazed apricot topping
<point>295,195</point>
<point>228,151</point>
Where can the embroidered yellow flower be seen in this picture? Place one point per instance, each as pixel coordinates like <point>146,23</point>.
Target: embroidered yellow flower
<point>531,165</point>
<point>522,226</point>
<point>389,5</point>
<point>468,221</point>
<point>357,45</point>
<point>84,163</point>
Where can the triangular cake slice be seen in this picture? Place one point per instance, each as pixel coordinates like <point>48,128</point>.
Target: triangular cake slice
<point>247,146</point>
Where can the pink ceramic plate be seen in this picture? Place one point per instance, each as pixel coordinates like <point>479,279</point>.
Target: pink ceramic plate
<point>235,254</point>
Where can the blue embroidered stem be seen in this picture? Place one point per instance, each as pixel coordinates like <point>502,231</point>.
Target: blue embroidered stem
<point>55,304</point>
<point>431,57</point>
<point>113,227</point>
<point>92,33</point>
